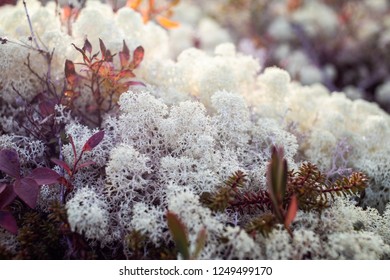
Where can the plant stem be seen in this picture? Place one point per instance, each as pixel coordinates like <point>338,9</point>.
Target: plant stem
<point>33,37</point>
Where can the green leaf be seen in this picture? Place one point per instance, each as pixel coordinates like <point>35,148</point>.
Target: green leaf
<point>277,180</point>
<point>179,234</point>
<point>200,243</point>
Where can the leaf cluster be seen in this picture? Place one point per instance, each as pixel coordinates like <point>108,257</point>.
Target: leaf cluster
<point>72,169</point>
<point>27,187</point>
<point>104,81</point>
<point>287,191</point>
<point>24,187</point>
<point>179,233</point>
<point>150,11</point>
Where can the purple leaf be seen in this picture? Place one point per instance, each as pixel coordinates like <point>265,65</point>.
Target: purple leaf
<point>62,164</point>
<point>103,49</point>
<point>66,183</point>
<point>7,195</point>
<point>87,46</point>
<point>277,180</point>
<point>82,51</point>
<point>124,55</point>
<point>85,164</point>
<point>9,163</point>
<point>73,147</point>
<point>27,189</point>
<point>44,176</point>
<point>93,141</point>
<point>46,107</point>
<point>8,222</point>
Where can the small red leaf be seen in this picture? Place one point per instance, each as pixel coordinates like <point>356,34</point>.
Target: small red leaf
<point>109,56</point>
<point>87,46</point>
<point>134,83</point>
<point>9,162</point>
<point>277,180</point>
<point>70,73</point>
<point>44,176</point>
<point>138,56</point>
<point>46,107</point>
<point>124,55</point>
<point>291,212</point>
<point>93,141</point>
<point>8,222</point>
<point>82,51</point>
<point>27,189</point>
<point>7,195</point>
<point>66,183</point>
<point>62,164</point>
<point>85,164</point>
<point>125,74</point>
<point>73,147</point>
<point>103,49</point>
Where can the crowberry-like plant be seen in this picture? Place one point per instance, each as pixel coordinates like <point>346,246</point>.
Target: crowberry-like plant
<point>103,80</point>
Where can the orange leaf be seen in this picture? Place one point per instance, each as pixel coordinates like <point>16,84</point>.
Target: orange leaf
<point>70,73</point>
<point>174,3</point>
<point>145,15</point>
<point>291,212</point>
<point>293,5</point>
<point>106,69</point>
<point>166,22</point>
<point>151,5</point>
<point>125,74</point>
<point>134,4</point>
<point>66,13</point>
